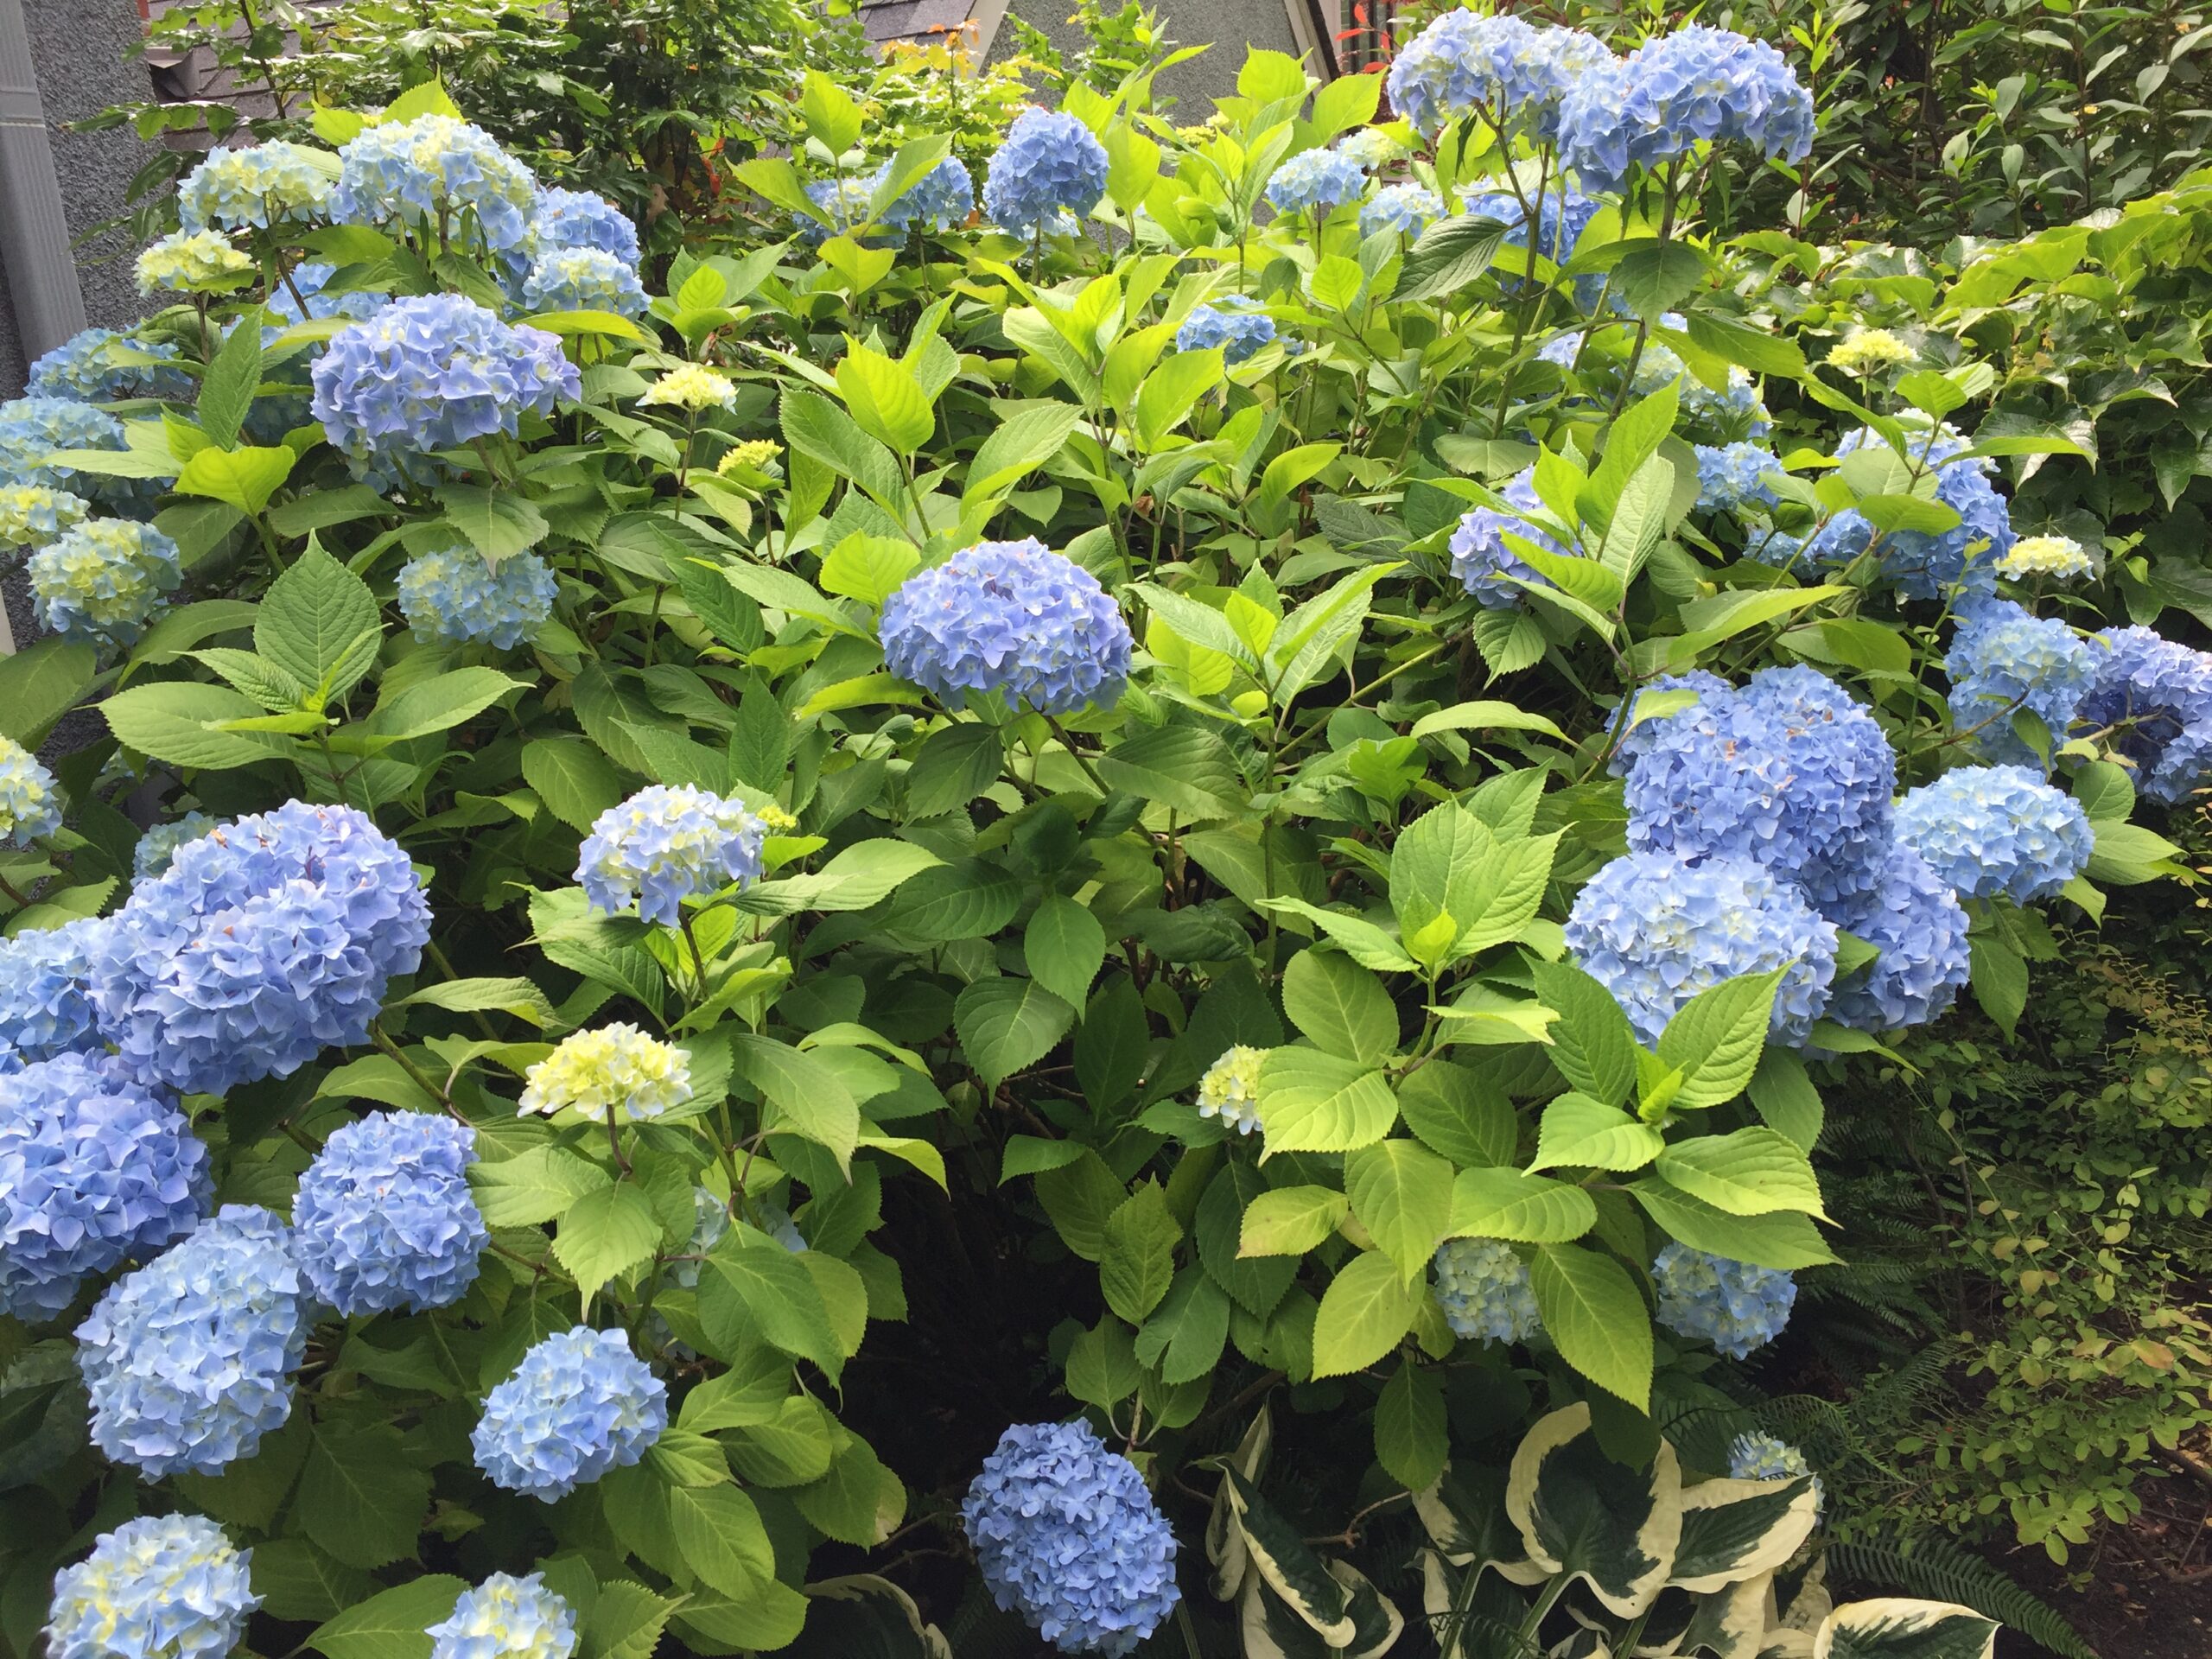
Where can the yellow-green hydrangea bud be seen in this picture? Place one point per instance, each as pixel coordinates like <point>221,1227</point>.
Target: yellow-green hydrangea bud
<point>193,261</point>
<point>759,454</point>
<point>1868,351</point>
<point>693,386</point>
<point>2060,557</point>
<point>1231,1088</point>
<point>617,1070</point>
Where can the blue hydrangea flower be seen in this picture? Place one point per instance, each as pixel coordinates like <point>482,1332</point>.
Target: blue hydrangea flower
<point>44,1007</point>
<point>1789,773</point>
<point>264,941</point>
<point>1013,617</point>
<point>31,515</point>
<point>189,1359</point>
<point>1656,931</point>
<point>1778,547</point>
<point>1733,1305</point>
<point>163,1586</point>
<point>1514,73</point>
<point>941,200</point>
<point>1484,1289</point>
<point>582,218</point>
<point>1239,333</point>
<point>845,201</point>
<point>93,1170</point>
<point>1067,1535</point>
<point>1912,916</point>
<point>454,595</point>
<point>1927,564</point>
<point>1481,557</point>
<point>93,366</point>
<point>1727,414</point>
<point>2003,659</point>
<point>1987,830</point>
<point>30,802</point>
<point>1696,85</point>
<point>254,188</point>
<point>664,844</point>
<point>384,1218</point>
<point>1050,164</point>
<point>580,1404</point>
<point>1231,1088</point>
<point>1406,209</point>
<point>1729,477</point>
<point>2153,700</point>
<point>1319,180</point>
<point>103,580</point>
<point>33,428</point>
<point>435,372</point>
<point>615,1073</point>
<point>506,1617</point>
<point>304,295</point>
<point>158,845</point>
<point>1637,739</point>
<point>776,1221</point>
<point>583,279</point>
<point>1562,217</point>
<point>437,178</point>
<point>1762,1456</point>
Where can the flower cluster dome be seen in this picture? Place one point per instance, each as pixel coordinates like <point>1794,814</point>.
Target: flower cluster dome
<point>583,279</point>
<point>582,219</point>
<point>31,515</point>
<point>456,594</point>
<point>1913,919</point>
<point>305,295</point>
<point>103,580</point>
<point>1868,351</point>
<point>1239,332</point>
<point>1482,558</point>
<point>1730,477</point>
<point>1231,1088</point>
<point>1320,180</point>
<point>666,843</point>
<point>157,846</point>
<point>255,187</point>
<point>163,1586</point>
<point>1647,720</point>
<point>1406,209</point>
<point>34,429</point>
<point>30,802</point>
<point>1927,565</point>
<point>1733,1305</point>
<point>1513,73</point>
<point>1562,217</point>
<point>1484,1288</point>
<point>844,202</point>
<point>440,179</point>
<point>193,261</point>
<point>2059,558</point>
<point>613,1072</point>
<point>941,200</point>
<point>1759,1456</point>
<point>45,1006</point>
<point>385,1218</point>
<point>1050,164</point>
<point>580,1404</point>
<point>2004,659</point>
<point>96,365</point>
<point>1987,830</point>
<point>1695,85</point>
<point>2153,697</point>
<point>1013,617</point>
<point>506,1617</point>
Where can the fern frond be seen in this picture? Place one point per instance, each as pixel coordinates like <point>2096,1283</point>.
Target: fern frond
<point>1937,1571</point>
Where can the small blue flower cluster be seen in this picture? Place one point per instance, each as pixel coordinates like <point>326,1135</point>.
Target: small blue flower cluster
<point>1729,477</point>
<point>91,366</point>
<point>1239,333</point>
<point>30,803</point>
<point>304,295</point>
<point>1562,217</point>
<point>2003,658</point>
<point>31,515</point>
<point>44,1007</point>
<point>454,594</point>
<point>157,846</point>
<point>188,1360</point>
<point>262,943</point>
<point>1912,916</point>
<point>93,1170</point>
<point>2154,698</point>
<point>1049,164</point>
<point>506,1617</point>
<point>1484,1289</point>
<point>1012,617</point>
<point>385,1217</point>
<point>1319,180</point>
<point>1762,1456</point>
<point>1997,829</point>
<point>163,1586</point>
<point>582,218</point>
<point>1729,414</point>
<point>580,1404</point>
<point>941,200</point>
<point>1067,1535</point>
<point>435,372</point>
<point>102,580</point>
<point>439,179</point>
<point>664,844</point>
<point>1404,209</point>
<point>1647,722</point>
<point>32,429</point>
<point>1920,564</point>
<point>1513,73</point>
<point>1733,1305</point>
<point>254,188</point>
<point>583,279</point>
<point>1695,85</point>
<point>844,202</point>
<point>1481,559</point>
<point>1656,931</point>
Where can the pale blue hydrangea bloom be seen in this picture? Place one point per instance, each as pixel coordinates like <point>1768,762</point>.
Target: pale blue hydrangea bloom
<point>941,200</point>
<point>1729,414</point>
<point>1562,214</point>
<point>1912,916</point>
<point>1239,332</point>
<point>776,1221</point>
<point>94,1170</point>
<point>664,844</point>
<point>1733,1305</point>
<point>44,1007</point>
<point>103,580</point>
<point>582,219</point>
<point>613,1072</point>
<point>158,845</point>
<point>1481,559</point>
<point>1231,1088</point>
<point>583,279</point>
<point>1407,209</point>
<point>454,595</point>
<point>2003,659</point>
<point>254,188</point>
<point>1638,737</point>
<point>1050,164</point>
<point>189,1359</point>
<point>1012,617</point>
<point>580,1404</point>
<point>1729,477</point>
<point>307,285</point>
<point>1695,85</point>
<point>264,941</point>
<point>2153,697</point>
<point>1656,931</point>
<point>845,201</point>
<point>1762,1456</point>
<point>30,802</point>
<point>163,1586</point>
<point>1987,830</point>
<point>1317,180</point>
<point>1371,147</point>
<point>1514,73</point>
<point>433,176</point>
<point>506,1617</point>
<point>384,1218</point>
<point>32,429</point>
<point>435,372</point>
<point>1483,1287</point>
<point>1920,564</point>
<point>92,366</point>
<point>31,515</point>
<point>1067,1535</point>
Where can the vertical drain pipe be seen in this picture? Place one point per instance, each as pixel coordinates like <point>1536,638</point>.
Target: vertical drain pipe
<point>34,230</point>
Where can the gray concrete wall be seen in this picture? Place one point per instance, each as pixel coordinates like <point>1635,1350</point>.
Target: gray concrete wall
<point>1231,27</point>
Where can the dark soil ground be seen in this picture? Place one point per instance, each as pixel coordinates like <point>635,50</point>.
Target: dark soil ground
<point>2141,1601</point>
